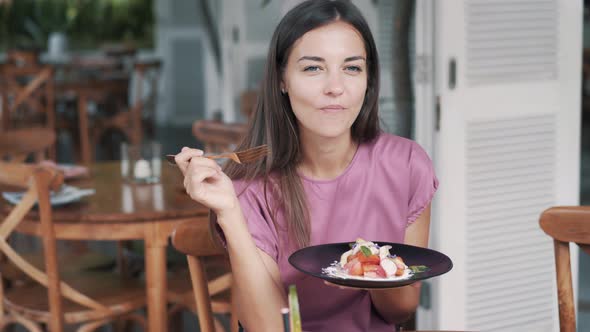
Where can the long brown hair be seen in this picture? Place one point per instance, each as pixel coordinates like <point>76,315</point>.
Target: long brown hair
<point>274,123</point>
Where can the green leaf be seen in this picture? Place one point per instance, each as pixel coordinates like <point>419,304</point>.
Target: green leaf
<point>418,268</point>
<point>366,251</point>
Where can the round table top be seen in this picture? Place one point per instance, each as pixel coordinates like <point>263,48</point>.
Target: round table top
<point>117,200</point>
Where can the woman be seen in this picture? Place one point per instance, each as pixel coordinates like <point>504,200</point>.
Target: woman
<point>331,176</point>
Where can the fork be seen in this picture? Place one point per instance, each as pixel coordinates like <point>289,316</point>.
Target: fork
<point>240,157</point>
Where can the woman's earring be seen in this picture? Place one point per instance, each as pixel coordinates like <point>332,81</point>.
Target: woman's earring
<point>283,91</point>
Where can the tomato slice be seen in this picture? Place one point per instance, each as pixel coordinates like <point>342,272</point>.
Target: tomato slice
<point>373,259</point>
<point>354,268</point>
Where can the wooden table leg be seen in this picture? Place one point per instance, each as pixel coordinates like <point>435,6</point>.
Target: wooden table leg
<point>155,269</point>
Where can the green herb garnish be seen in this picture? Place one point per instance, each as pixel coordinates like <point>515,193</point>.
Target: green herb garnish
<point>366,251</point>
<point>418,268</point>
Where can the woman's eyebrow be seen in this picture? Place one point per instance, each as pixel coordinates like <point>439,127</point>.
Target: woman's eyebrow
<point>353,58</point>
<point>312,58</point>
<point>320,59</point>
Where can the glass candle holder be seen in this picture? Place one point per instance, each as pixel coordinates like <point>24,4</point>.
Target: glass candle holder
<point>141,163</point>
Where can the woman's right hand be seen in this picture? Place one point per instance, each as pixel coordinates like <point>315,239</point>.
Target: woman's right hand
<point>205,182</point>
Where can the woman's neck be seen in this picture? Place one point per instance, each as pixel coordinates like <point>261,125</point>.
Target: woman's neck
<point>326,158</point>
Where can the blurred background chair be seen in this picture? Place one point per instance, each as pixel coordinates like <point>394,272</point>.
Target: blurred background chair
<point>218,136</point>
<point>23,57</point>
<point>566,224</point>
<point>208,289</point>
<point>27,96</point>
<point>136,118</point>
<point>248,101</point>
<point>19,144</point>
<point>58,297</point>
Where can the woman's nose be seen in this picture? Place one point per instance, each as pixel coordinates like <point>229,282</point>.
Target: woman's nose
<point>334,84</point>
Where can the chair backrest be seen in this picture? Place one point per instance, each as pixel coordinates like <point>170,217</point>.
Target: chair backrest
<point>248,100</point>
<point>27,97</point>
<point>218,136</point>
<point>27,92</point>
<point>131,108</point>
<point>566,224</point>
<point>22,58</point>
<point>195,240</point>
<point>38,181</point>
<point>17,145</point>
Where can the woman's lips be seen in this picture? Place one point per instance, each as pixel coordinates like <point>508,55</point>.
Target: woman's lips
<point>332,108</point>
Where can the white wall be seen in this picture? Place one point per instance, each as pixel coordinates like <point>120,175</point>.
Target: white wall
<point>189,88</point>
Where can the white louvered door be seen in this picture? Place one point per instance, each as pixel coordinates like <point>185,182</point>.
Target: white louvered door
<point>507,148</point>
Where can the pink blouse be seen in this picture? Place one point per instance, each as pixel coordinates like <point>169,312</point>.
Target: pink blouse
<point>387,185</point>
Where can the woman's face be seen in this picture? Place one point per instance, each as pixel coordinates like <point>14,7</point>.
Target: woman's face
<point>326,80</point>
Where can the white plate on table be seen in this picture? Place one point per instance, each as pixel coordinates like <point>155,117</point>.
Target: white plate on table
<point>67,194</point>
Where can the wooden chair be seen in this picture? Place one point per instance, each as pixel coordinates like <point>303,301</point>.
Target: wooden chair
<point>134,119</point>
<point>28,98</point>
<point>566,224</point>
<point>218,136</point>
<point>57,298</point>
<point>209,278</point>
<point>23,57</point>
<point>248,100</point>
<point>17,145</point>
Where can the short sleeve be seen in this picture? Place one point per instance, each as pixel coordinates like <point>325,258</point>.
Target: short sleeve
<point>257,218</point>
<point>423,182</point>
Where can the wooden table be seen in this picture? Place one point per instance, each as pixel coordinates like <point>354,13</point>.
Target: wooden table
<point>122,211</point>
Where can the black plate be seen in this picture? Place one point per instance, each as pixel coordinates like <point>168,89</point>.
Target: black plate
<point>311,260</point>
